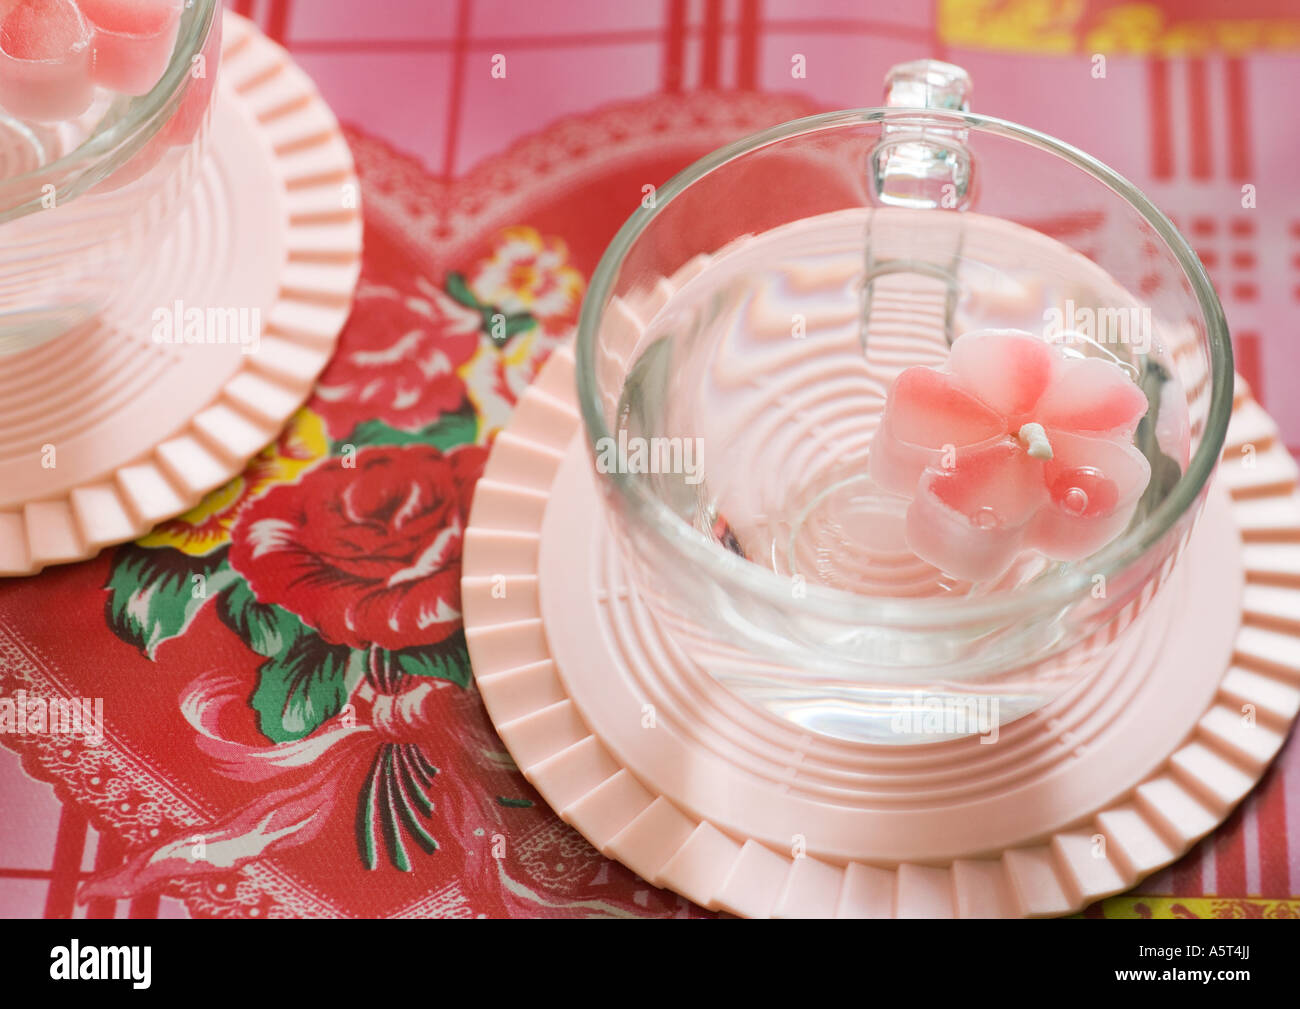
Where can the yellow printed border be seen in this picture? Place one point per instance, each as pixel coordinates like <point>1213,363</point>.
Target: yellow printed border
<point>1073,27</point>
<point>1129,906</point>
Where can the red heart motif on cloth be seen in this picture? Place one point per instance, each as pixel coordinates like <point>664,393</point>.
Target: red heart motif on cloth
<point>289,722</point>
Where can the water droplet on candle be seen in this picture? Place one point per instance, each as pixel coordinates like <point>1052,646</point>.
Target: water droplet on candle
<point>986,518</point>
<point>1084,491</point>
<point>1075,500</point>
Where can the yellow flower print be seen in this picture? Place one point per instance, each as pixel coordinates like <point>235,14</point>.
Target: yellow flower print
<point>206,526</point>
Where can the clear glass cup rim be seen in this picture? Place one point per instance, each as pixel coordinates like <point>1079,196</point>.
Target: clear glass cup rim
<point>829,603</point>
<point>22,194</point>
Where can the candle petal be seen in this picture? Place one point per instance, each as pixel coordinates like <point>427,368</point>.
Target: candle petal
<point>1091,396</point>
<point>1093,488</point>
<point>1007,369</point>
<point>927,417</point>
<point>970,520</point>
<point>133,41</point>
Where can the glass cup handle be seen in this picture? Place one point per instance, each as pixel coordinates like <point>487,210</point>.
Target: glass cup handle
<point>919,163</point>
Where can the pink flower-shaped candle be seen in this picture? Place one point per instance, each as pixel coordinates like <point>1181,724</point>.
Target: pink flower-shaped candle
<point>46,59</point>
<point>1014,446</point>
<point>54,52</point>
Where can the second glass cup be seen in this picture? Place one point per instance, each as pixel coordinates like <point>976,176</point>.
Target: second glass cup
<point>85,196</point>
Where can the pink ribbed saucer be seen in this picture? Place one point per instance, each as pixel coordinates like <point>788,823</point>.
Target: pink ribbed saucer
<point>739,810</point>
<point>142,430</point>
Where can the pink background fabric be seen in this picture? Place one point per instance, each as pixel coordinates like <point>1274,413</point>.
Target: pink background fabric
<point>1189,122</point>
<point>1189,129</point>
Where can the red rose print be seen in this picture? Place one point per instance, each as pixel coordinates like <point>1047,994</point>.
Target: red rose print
<point>397,359</point>
<point>369,554</point>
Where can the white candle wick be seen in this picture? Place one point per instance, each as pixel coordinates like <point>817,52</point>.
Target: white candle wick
<point>1034,438</point>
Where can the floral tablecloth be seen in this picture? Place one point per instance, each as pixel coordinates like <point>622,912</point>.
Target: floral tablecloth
<point>291,726</point>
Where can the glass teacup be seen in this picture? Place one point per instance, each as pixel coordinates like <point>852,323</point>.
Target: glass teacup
<point>739,354</point>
